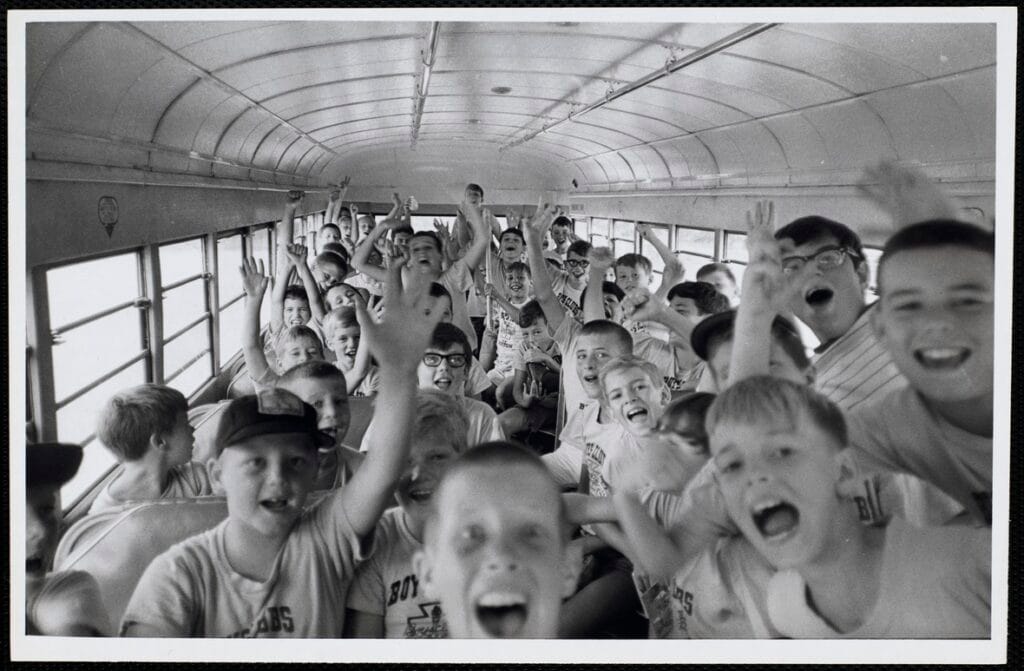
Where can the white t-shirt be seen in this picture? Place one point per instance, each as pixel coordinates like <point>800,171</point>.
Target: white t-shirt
<point>184,482</point>
<point>568,296</point>
<point>935,583</point>
<point>900,433</point>
<point>192,590</point>
<point>510,337</point>
<point>458,280</point>
<point>370,384</point>
<point>386,584</point>
<point>483,424</point>
<point>593,437</point>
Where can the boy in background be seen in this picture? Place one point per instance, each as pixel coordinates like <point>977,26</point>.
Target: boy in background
<point>496,550</point>
<point>537,367</point>
<point>147,429</point>
<point>386,599</point>
<point>64,603</point>
<point>721,278</point>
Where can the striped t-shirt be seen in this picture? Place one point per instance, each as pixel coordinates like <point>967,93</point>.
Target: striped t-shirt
<point>856,367</point>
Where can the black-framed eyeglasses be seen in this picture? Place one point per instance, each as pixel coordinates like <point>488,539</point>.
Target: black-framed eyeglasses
<point>454,360</point>
<point>826,257</point>
<point>577,263</point>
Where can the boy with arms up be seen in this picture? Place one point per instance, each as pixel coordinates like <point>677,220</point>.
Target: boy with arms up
<point>496,550</point>
<point>386,600</point>
<point>251,575</point>
<point>147,429</point>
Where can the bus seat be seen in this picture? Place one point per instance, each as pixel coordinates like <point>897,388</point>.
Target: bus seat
<point>116,546</point>
<point>241,384</point>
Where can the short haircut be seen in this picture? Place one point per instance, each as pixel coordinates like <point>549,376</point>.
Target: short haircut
<point>562,220</point>
<point>605,327</point>
<point>407,230</point>
<point>427,234</point>
<point>628,362</point>
<point>341,317</point>
<point>515,232</point>
<point>440,414</point>
<point>345,213</point>
<point>782,331</point>
<point>448,335</point>
<point>530,314</point>
<point>703,294</point>
<point>936,233</point>
<point>518,267</point>
<point>709,268</point>
<point>296,292</point>
<point>293,333</point>
<point>805,229</point>
<point>638,261</point>
<point>337,248</point>
<point>130,417</point>
<point>691,409</point>
<point>312,370</point>
<point>476,188</point>
<point>764,401</point>
<point>326,226</point>
<point>336,285</point>
<point>367,217</point>
<point>332,259</point>
<point>606,288</point>
<point>579,247</point>
<point>498,456</point>
<point>437,290</point>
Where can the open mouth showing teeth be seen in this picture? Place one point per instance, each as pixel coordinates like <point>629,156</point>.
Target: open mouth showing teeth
<point>776,520</point>
<point>589,379</point>
<point>501,615</point>
<point>637,413</point>
<point>442,383</point>
<point>942,358</point>
<point>421,495</point>
<point>819,296</point>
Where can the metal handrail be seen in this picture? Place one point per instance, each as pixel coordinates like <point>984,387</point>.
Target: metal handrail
<point>103,378</point>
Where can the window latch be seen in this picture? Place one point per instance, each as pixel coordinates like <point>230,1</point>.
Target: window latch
<point>142,303</point>
<point>207,277</point>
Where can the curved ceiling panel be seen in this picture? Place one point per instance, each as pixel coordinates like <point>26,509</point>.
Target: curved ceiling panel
<point>613,106</point>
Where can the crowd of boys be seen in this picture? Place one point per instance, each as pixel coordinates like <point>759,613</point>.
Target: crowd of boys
<point>713,478</point>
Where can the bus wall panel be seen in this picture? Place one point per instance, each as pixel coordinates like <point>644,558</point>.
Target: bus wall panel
<point>65,225</point>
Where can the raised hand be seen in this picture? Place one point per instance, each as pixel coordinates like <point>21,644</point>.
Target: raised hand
<point>531,392</point>
<point>673,272</point>
<point>254,278</point>
<point>296,253</point>
<point>905,193</point>
<point>645,232</point>
<point>354,211</point>
<point>763,278</point>
<point>334,196</point>
<point>401,336</point>
<point>601,258</point>
<point>640,306</point>
<point>663,469</point>
<point>542,218</point>
<point>343,185</point>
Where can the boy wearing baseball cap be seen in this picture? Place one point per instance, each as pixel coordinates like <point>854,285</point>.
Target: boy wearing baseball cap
<point>65,603</point>
<point>274,568</point>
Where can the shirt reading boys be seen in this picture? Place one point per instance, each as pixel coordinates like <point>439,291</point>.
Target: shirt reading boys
<point>386,584</point>
<point>192,591</point>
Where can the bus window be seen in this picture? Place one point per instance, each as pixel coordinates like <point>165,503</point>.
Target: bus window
<point>623,237</point>
<point>188,360</point>
<point>736,254</point>
<point>581,227</point>
<point>260,248</point>
<point>97,350</point>
<point>231,296</point>
<point>694,247</point>
<point>599,232</point>
<point>872,255</point>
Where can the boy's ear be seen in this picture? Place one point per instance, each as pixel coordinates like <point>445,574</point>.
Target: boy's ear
<point>846,473</point>
<point>157,441</point>
<point>666,395</point>
<point>424,569</point>
<point>213,470</point>
<point>570,567</point>
<point>862,273</point>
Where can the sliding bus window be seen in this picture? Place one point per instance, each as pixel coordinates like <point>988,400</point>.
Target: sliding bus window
<point>736,254</point>
<point>261,249</point>
<point>694,247</point>
<point>872,255</point>
<point>188,350</point>
<point>600,231</point>
<point>231,296</point>
<point>623,237</point>
<point>581,227</point>
<point>98,326</point>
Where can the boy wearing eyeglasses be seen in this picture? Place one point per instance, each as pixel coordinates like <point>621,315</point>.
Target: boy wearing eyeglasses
<point>443,368</point>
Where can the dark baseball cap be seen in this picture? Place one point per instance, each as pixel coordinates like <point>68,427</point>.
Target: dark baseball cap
<point>273,411</point>
<point>51,464</point>
<point>723,321</point>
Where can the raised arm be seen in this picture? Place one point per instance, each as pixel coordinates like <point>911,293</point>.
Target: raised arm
<point>297,256</point>
<point>651,546</point>
<point>361,257</point>
<point>673,271</point>
<point>534,230</point>
<point>361,365</point>
<point>398,343</point>
<point>495,294</point>
<point>254,282</point>
<point>601,259</point>
<point>640,305</point>
<point>481,235</point>
<point>906,194</point>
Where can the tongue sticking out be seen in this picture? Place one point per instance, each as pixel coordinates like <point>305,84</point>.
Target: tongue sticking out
<point>502,621</point>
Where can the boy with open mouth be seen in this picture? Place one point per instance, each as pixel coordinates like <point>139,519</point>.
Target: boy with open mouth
<point>780,462</point>
<point>386,599</point>
<point>496,550</point>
